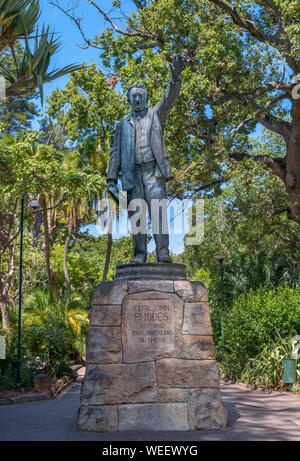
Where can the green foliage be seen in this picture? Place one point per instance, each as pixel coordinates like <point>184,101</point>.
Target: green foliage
<point>261,245</point>
<point>245,272</point>
<point>265,370</point>
<point>255,320</point>
<point>295,388</point>
<point>82,109</point>
<point>17,114</point>
<point>50,171</point>
<point>53,326</point>
<point>52,334</point>
<point>203,276</point>
<point>86,258</point>
<point>235,225</point>
<point>30,366</point>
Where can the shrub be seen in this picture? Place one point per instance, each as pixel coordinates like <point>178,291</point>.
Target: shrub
<point>255,321</point>
<point>52,334</point>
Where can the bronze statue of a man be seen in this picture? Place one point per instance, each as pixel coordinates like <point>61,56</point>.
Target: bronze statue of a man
<point>140,153</point>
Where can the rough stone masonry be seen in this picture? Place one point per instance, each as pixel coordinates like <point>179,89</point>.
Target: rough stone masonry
<point>150,359</point>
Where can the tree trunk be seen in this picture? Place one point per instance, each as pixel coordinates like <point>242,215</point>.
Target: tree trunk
<point>36,230</point>
<point>292,165</point>
<point>109,241</point>
<point>67,241</point>
<point>5,314</point>
<point>5,283</point>
<point>51,281</point>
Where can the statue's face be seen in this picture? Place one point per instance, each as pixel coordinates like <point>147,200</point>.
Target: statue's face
<point>138,99</point>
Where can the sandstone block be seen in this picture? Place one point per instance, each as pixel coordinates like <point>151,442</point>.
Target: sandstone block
<point>109,293</point>
<point>154,417</point>
<point>136,286</point>
<point>190,291</point>
<point>198,347</point>
<point>151,325</point>
<point>103,344</point>
<point>206,409</point>
<point>187,373</point>
<point>196,319</point>
<point>105,316</point>
<point>100,419</point>
<point>119,383</point>
<point>172,395</point>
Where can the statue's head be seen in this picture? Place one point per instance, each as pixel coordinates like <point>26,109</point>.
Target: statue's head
<point>137,96</point>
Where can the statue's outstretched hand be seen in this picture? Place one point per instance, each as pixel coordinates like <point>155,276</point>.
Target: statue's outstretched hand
<point>177,66</point>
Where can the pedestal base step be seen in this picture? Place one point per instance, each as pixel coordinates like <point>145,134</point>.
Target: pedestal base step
<point>151,271</point>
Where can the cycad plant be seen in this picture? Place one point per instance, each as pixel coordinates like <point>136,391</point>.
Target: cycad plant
<point>246,272</point>
<point>56,327</point>
<point>18,19</point>
<point>265,369</point>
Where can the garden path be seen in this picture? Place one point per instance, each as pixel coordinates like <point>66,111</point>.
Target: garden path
<point>253,415</point>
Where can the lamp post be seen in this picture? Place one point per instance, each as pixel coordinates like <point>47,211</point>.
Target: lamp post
<point>34,205</point>
<point>220,258</point>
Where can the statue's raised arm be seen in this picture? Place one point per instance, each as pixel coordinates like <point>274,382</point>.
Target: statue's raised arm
<point>171,94</point>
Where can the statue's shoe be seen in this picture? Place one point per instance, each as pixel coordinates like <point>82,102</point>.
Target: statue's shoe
<point>165,259</point>
<point>138,259</point>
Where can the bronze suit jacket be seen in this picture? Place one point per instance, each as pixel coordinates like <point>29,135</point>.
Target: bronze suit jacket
<point>123,149</point>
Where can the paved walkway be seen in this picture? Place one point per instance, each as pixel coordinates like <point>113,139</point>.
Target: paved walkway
<point>253,415</point>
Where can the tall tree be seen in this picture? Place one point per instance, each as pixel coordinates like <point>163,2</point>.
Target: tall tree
<point>244,62</point>
<point>16,114</point>
<point>59,187</point>
<point>261,244</point>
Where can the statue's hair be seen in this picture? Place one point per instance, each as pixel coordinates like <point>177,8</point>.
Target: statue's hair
<point>136,85</point>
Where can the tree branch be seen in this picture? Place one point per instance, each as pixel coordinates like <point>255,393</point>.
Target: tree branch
<point>138,4</point>
<point>244,23</point>
<point>77,23</point>
<point>116,29</point>
<point>280,127</point>
<point>249,96</point>
<point>145,35</point>
<point>271,123</point>
<point>252,28</point>
<point>275,165</point>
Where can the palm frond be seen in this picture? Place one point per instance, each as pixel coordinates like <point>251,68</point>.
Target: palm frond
<point>31,71</point>
<point>17,19</point>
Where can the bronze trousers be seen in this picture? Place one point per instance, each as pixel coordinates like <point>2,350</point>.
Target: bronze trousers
<point>147,186</point>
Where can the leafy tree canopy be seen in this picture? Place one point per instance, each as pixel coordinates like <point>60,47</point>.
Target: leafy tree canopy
<point>240,62</point>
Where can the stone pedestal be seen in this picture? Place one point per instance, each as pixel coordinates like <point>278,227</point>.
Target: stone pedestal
<point>150,357</point>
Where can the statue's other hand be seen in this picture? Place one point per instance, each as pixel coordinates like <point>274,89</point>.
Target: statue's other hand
<point>112,189</point>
